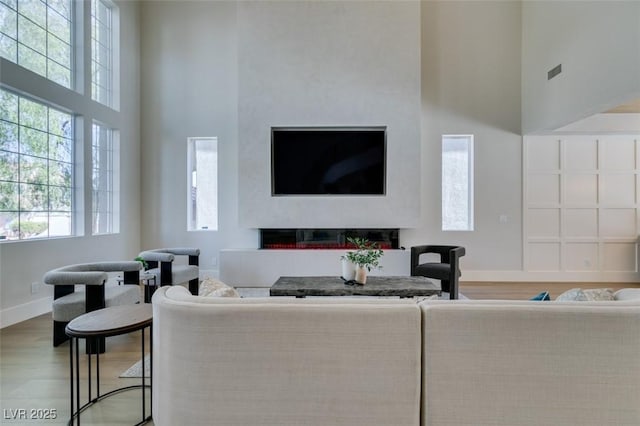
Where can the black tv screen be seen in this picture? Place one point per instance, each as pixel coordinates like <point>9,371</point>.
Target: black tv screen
<point>328,161</point>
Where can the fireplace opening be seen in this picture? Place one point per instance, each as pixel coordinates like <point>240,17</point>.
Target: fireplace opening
<point>386,238</point>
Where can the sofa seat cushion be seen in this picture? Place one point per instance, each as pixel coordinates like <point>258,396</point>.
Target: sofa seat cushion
<point>179,273</point>
<point>439,271</point>
<point>72,305</point>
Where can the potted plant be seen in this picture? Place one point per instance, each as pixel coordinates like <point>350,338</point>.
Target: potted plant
<point>365,258</point>
<point>145,265</point>
<point>348,267</point>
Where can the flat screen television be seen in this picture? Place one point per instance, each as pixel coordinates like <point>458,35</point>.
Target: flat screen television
<point>328,160</point>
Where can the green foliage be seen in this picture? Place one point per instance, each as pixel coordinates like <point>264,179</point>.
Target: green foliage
<point>145,265</point>
<point>28,172</point>
<point>367,254</point>
<point>28,229</point>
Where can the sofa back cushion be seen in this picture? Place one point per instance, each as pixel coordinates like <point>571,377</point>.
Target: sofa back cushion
<point>227,361</point>
<point>531,363</point>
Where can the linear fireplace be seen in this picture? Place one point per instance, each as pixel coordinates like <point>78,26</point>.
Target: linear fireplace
<point>387,238</point>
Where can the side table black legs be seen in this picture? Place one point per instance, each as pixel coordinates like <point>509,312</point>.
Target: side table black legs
<point>103,323</point>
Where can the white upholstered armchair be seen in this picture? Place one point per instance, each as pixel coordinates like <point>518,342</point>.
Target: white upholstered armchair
<point>168,272</point>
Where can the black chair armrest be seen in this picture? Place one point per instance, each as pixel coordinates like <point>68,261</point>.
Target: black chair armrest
<point>416,251</point>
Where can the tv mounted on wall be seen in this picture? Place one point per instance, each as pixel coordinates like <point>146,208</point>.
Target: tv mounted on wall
<point>328,160</point>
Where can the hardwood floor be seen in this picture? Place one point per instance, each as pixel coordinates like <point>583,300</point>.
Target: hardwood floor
<point>35,375</point>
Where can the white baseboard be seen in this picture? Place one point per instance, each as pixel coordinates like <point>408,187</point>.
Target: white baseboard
<point>16,314</point>
<point>622,277</point>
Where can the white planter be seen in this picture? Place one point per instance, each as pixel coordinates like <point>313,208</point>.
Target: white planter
<point>361,274</point>
<point>348,270</point>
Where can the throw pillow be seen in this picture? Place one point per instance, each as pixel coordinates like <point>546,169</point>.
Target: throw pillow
<point>598,294</point>
<point>589,295</point>
<point>541,296</point>
<point>572,295</point>
<point>214,288</point>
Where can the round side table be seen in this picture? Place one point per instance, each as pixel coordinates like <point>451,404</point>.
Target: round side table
<point>112,321</point>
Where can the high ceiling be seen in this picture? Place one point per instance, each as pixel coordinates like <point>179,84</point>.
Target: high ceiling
<point>630,107</point>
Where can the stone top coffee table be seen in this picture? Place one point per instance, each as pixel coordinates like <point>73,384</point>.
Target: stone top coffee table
<point>400,286</point>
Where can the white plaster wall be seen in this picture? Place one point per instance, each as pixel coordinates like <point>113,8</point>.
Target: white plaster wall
<point>598,45</point>
<point>22,263</point>
<point>471,85</point>
<point>337,64</point>
<point>189,88</point>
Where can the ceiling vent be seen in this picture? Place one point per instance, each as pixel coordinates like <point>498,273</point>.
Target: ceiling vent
<point>554,71</point>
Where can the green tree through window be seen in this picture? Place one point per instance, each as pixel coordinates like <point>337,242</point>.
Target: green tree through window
<point>36,34</point>
<point>36,169</point>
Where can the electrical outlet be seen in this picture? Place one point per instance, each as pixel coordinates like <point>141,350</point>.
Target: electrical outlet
<point>214,261</point>
<point>503,218</point>
<point>35,287</point>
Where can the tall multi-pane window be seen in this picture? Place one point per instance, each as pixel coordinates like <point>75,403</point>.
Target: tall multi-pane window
<point>457,182</point>
<point>202,178</point>
<point>104,180</point>
<point>102,52</point>
<point>36,169</point>
<point>37,34</point>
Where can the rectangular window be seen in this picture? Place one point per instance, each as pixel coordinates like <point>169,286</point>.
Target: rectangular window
<point>457,182</point>
<point>104,178</point>
<point>102,52</point>
<point>36,169</point>
<point>202,190</point>
<point>37,35</point>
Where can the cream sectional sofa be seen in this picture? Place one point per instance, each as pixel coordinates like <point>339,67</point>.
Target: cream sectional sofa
<point>330,362</point>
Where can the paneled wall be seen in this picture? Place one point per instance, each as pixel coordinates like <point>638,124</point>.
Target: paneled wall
<point>581,204</point>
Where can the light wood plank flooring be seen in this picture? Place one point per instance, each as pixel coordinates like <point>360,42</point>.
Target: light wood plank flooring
<point>34,375</point>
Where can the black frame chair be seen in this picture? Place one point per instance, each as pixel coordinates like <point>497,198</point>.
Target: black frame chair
<point>94,277</point>
<point>160,261</point>
<point>447,270</point>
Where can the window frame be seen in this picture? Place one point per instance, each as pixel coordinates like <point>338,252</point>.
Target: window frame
<point>110,45</point>
<point>110,167</point>
<point>48,158</point>
<point>19,41</point>
<point>75,100</point>
<point>192,220</point>
<point>469,225</point>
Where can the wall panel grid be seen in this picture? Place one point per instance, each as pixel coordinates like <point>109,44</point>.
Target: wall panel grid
<point>581,203</point>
